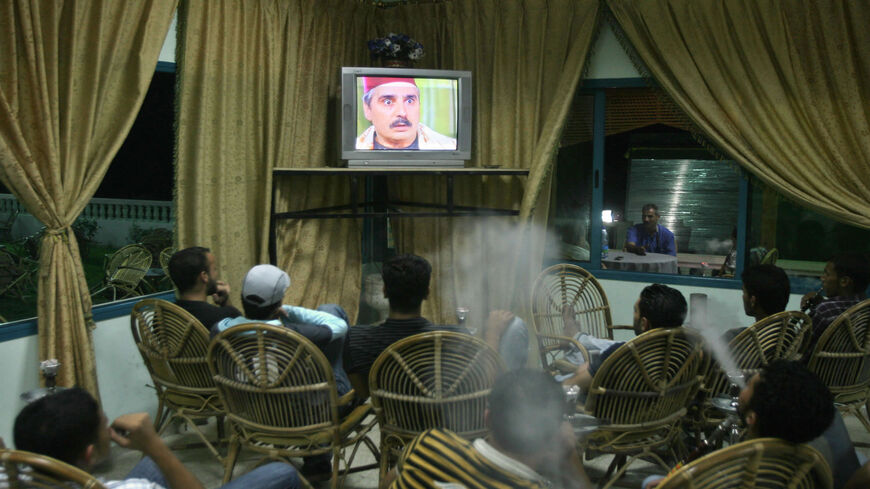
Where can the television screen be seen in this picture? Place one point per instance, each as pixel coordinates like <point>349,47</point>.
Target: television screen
<point>405,117</point>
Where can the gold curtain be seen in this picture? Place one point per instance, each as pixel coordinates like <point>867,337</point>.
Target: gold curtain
<point>259,89</point>
<point>782,87</point>
<point>526,57</point>
<point>72,78</point>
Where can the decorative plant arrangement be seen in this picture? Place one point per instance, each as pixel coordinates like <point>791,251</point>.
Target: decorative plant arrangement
<point>395,47</point>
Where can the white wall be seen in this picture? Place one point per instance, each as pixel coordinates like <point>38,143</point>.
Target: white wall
<point>607,58</point>
<point>167,53</point>
<point>121,374</point>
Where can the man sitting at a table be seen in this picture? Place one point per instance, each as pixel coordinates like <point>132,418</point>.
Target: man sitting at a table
<point>650,236</point>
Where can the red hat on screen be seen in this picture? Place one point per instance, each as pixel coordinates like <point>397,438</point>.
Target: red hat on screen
<point>370,82</point>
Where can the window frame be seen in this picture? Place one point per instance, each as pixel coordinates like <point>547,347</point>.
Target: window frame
<point>596,88</point>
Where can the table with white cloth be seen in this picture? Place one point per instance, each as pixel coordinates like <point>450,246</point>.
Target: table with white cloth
<point>650,262</point>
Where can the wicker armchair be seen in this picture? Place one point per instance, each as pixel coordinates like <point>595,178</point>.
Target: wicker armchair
<point>556,288</point>
<point>22,470</point>
<point>17,274</point>
<point>173,345</point>
<point>763,462</point>
<point>640,393</point>
<point>164,257</point>
<point>781,336</point>
<point>437,379</point>
<point>281,399</point>
<point>840,359</point>
<point>124,271</point>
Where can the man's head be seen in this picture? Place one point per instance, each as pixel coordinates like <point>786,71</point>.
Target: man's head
<point>406,282</point>
<point>765,290</point>
<point>263,291</point>
<point>526,409</point>
<point>649,214</point>
<point>68,426</point>
<point>392,105</point>
<point>659,306</point>
<point>785,400</point>
<point>193,267</point>
<point>846,274</point>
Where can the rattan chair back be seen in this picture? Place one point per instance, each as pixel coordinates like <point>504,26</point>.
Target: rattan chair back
<point>164,257</point>
<point>841,358</point>
<point>761,463</point>
<point>280,396</point>
<point>26,470</point>
<point>641,392</point>
<point>174,345</point>
<point>781,336</point>
<point>771,257</point>
<point>124,271</point>
<point>439,379</point>
<point>569,285</point>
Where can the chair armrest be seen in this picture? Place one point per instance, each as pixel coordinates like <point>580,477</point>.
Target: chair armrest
<point>347,398</point>
<point>564,343</point>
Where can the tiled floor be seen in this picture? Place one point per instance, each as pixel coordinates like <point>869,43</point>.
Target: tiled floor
<point>210,472</point>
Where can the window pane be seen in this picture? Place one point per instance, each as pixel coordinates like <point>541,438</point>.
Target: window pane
<point>572,187</point>
<point>804,239</point>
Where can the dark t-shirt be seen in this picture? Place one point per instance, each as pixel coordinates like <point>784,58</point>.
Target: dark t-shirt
<point>594,365</point>
<point>365,342</point>
<point>208,314</point>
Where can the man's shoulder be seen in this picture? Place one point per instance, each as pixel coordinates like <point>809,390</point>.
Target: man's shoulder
<point>430,138</point>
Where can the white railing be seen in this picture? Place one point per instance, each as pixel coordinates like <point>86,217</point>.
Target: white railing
<point>108,209</point>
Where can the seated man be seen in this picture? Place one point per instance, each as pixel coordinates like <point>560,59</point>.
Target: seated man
<point>262,295</point>
<point>765,292</point>
<point>650,236</point>
<point>787,401</point>
<point>194,273</point>
<point>530,445</point>
<point>71,427</point>
<point>844,281</point>
<point>658,306</point>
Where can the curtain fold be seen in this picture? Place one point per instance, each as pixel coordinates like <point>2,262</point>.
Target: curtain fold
<point>782,87</point>
<point>72,78</point>
<point>259,89</point>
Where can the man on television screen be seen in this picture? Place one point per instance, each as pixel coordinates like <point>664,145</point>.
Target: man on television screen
<point>392,105</point>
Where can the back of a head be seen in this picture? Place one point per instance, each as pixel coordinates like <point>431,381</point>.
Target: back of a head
<point>61,425</point>
<point>406,282</point>
<point>263,291</point>
<point>791,403</point>
<point>769,284</point>
<point>855,266</point>
<point>186,265</point>
<point>525,411</point>
<point>662,306</point>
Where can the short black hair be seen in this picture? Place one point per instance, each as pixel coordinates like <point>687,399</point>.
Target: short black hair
<point>526,409</point>
<point>769,284</point>
<point>662,306</point>
<point>406,282</point>
<point>647,207</point>
<point>60,425</point>
<point>791,403</point>
<point>853,265</point>
<point>261,313</point>
<point>186,265</point>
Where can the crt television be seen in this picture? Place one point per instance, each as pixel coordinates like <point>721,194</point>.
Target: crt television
<point>397,117</point>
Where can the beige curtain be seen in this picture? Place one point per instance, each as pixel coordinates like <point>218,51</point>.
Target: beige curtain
<point>526,57</point>
<point>259,89</point>
<point>72,77</point>
<point>782,87</point>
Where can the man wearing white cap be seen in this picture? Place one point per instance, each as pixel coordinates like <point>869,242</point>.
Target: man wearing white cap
<point>392,105</point>
<point>262,296</point>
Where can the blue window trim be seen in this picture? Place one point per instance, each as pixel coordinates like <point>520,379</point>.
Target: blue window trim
<point>27,327</point>
<point>165,67</point>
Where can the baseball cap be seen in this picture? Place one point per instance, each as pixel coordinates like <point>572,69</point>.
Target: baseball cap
<point>265,285</point>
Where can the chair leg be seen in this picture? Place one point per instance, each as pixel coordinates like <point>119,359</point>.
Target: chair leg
<point>232,456</point>
<point>384,462</point>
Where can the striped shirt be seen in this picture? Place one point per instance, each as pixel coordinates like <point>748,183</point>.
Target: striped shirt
<point>439,459</point>
<point>826,312</point>
<point>366,341</point>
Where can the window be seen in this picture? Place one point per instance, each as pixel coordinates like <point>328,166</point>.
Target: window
<point>132,205</point>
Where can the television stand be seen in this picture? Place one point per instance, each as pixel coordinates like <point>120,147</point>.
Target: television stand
<point>406,164</point>
<point>381,206</point>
